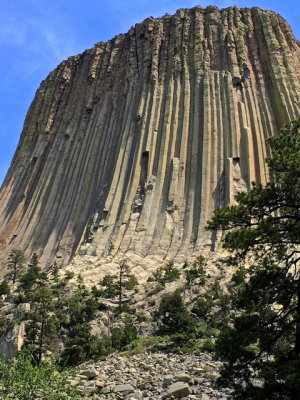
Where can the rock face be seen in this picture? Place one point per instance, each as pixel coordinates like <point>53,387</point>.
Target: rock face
<point>128,147</point>
<point>11,343</point>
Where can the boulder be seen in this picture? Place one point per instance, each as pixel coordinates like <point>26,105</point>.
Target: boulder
<point>177,390</point>
<point>124,389</point>
<point>182,378</point>
<point>89,373</point>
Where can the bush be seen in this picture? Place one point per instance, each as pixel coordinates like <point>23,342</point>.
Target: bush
<point>23,381</point>
<point>165,274</point>
<point>239,276</point>
<point>69,275</point>
<point>202,307</point>
<point>208,345</point>
<point>4,288</point>
<point>121,337</point>
<point>196,271</point>
<point>175,318</point>
<point>141,317</point>
<point>115,285</point>
<point>141,344</point>
<point>84,346</point>
<point>5,324</point>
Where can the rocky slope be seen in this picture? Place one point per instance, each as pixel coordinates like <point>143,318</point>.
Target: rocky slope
<point>151,377</point>
<point>128,147</point>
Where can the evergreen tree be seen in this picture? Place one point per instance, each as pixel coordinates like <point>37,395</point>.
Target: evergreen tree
<point>15,263</point>
<point>117,283</point>
<point>54,269</point>
<point>32,275</point>
<point>262,342</point>
<point>42,323</point>
<point>175,317</point>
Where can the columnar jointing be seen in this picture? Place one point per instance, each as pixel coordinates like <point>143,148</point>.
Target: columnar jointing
<point>128,148</point>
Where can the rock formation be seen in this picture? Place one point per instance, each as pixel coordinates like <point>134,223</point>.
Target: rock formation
<point>128,147</point>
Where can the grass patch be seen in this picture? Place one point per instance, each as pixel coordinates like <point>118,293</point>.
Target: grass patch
<point>142,344</point>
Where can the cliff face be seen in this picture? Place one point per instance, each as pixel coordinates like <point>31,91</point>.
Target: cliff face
<point>128,148</point>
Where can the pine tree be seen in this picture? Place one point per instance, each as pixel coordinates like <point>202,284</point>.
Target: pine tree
<point>174,315</point>
<point>15,263</point>
<point>42,323</point>
<point>117,283</point>
<point>262,342</point>
<point>32,274</point>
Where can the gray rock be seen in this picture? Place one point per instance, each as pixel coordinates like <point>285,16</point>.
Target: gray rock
<point>99,384</point>
<point>73,382</point>
<point>167,380</point>
<point>182,378</point>
<point>85,390</point>
<point>124,389</point>
<point>204,396</point>
<point>89,373</point>
<point>135,396</point>
<point>177,390</point>
<point>209,367</point>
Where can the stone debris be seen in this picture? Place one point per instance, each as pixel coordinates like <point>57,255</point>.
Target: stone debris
<point>151,377</point>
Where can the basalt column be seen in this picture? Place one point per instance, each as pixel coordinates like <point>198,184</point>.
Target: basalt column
<point>128,148</point>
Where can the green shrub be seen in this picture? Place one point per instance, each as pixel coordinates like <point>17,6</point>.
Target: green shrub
<point>4,288</point>
<point>6,324</point>
<point>165,274</point>
<point>175,318</point>
<point>202,307</point>
<point>84,346</point>
<point>22,381</point>
<point>208,345</point>
<point>196,271</point>
<point>69,275</point>
<point>142,344</point>
<point>170,273</point>
<point>121,337</point>
<point>184,343</point>
<point>146,367</point>
<point>239,276</point>
<point>141,317</point>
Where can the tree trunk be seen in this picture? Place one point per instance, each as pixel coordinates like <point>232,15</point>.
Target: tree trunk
<point>120,287</point>
<point>40,344</point>
<point>14,275</point>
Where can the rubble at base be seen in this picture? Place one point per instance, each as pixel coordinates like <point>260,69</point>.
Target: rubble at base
<point>151,377</point>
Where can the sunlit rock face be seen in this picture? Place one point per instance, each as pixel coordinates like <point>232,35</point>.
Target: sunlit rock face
<point>128,147</point>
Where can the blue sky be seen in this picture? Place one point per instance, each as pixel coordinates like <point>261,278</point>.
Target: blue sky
<point>36,35</point>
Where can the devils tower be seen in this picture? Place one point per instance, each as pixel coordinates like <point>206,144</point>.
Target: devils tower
<point>128,147</point>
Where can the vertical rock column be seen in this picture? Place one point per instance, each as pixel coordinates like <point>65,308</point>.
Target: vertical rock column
<point>128,148</point>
